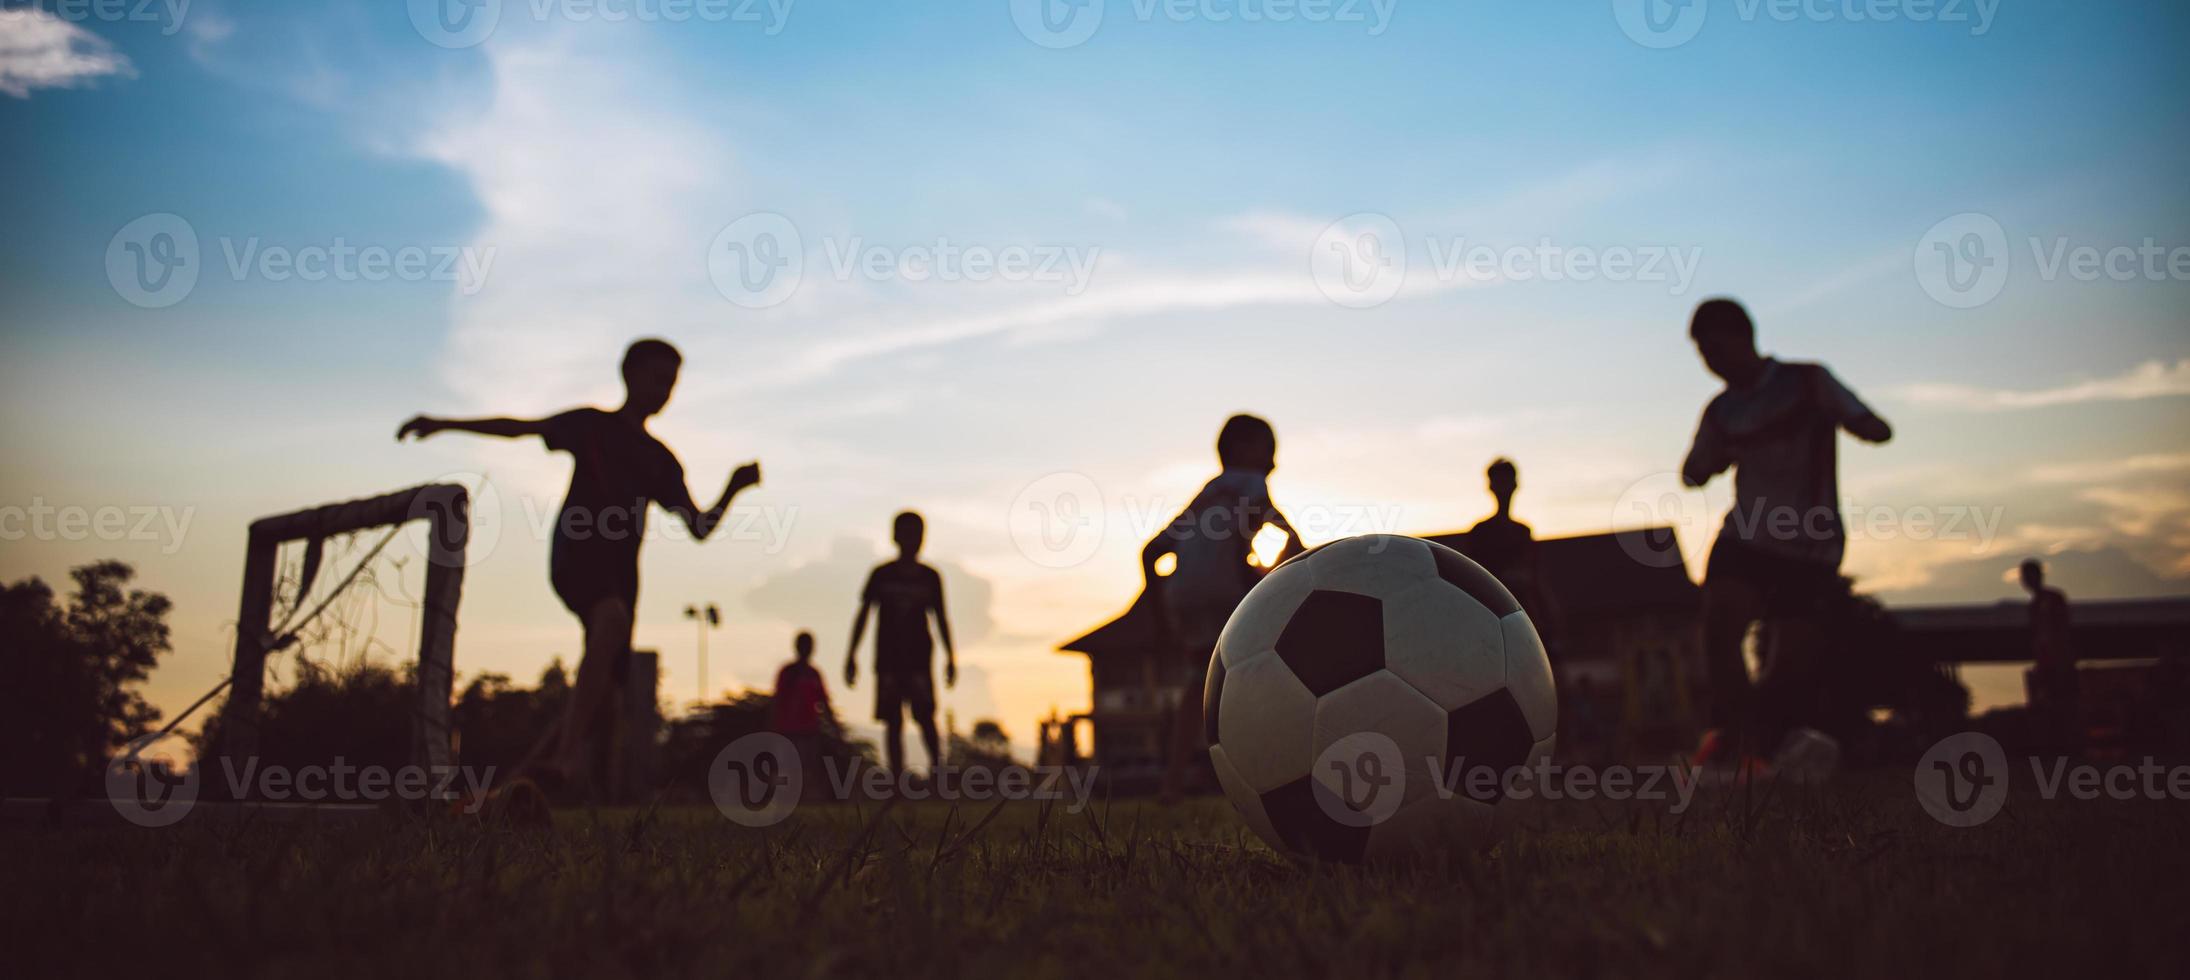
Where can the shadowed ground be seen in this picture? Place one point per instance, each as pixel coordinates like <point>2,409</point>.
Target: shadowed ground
<point>1850,880</point>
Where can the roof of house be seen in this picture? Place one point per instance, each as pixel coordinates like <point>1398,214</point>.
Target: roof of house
<point>1611,574</point>
<point>2102,629</point>
<point>1135,630</point>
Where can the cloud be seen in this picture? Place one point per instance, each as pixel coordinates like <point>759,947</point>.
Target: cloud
<point>2107,470</point>
<point>40,50</point>
<point>821,595</point>
<point>2152,379</point>
<point>2084,573</point>
<point>1889,262</point>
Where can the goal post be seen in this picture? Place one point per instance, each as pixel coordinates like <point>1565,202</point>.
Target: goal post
<point>445,507</point>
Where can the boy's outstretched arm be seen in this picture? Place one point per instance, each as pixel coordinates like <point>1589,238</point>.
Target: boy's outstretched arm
<point>704,523</point>
<point>1870,428</point>
<point>1850,411</point>
<point>422,426</point>
<point>943,628</point>
<point>1276,518</point>
<point>851,650</point>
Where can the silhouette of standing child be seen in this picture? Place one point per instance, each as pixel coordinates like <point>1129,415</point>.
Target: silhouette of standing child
<point>904,593</point>
<point>593,559</point>
<point>799,704</point>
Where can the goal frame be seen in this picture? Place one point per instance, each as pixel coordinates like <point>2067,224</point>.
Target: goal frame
<point>445,507</point>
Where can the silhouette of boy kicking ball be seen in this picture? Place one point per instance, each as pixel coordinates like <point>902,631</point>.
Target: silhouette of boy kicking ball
<point>593,560</point>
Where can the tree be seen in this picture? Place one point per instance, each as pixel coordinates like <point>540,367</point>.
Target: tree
<point>66,675</point>
<point>357,710</point>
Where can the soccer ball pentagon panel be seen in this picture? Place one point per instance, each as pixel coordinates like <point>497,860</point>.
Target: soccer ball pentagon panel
<point>1358,689</point>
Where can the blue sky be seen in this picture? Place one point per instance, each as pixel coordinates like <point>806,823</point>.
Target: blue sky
<point>1803,162</point>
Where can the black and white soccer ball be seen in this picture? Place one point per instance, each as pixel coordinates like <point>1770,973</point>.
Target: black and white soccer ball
<point>1357,689</point>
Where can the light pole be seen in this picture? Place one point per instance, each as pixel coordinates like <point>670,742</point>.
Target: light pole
<point>707,617</point>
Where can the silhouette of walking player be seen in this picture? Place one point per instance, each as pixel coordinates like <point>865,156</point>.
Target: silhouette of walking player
<point>593,560</point>
<point>2051,685</point>
<point>1211,540</point>
<point>1777,557</point>
<point>904,593</point>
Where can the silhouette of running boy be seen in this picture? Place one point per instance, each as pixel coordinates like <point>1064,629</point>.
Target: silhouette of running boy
<point>904,593</point>
<point>593,559</point>
<point>1777,557</point>
<point>1211,541</point>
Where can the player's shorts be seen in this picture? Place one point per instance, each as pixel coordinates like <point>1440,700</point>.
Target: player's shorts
<point>894,693</point>
<point>1788,586</point>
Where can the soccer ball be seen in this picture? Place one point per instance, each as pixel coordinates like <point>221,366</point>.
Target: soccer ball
<point>1358,689</point>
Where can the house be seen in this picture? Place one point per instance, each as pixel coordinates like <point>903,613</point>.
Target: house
<point>2133,660</point>
<point>1622,637</point>
<point>1624,645</point>
<point>1129,712</point>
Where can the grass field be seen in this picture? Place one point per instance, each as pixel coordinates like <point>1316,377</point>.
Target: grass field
<point>1847,880</point>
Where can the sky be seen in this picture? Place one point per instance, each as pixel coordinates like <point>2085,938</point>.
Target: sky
<point>1011,263</point>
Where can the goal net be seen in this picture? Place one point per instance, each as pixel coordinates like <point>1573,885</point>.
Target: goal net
<point>322,605</point>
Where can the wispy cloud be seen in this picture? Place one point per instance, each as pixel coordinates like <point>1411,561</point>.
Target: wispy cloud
<point>39,50</point>
<point>1872,268</point>
<point>2152,379</point>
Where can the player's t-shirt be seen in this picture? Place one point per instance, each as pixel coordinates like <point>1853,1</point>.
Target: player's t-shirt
<point>903,592</point>
<point>1212,539</point>
<point>799,700</point>
<point>1507,549</point>
<point>1780,436</point>
<point>2050,645</point>
<point>620,469</point>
